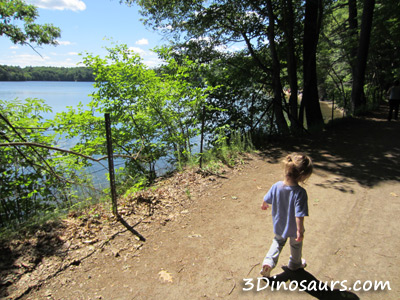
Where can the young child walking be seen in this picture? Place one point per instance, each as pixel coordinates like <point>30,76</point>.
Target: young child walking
<point>289,207</point>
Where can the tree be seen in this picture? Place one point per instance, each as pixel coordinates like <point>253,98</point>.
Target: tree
<point>384,50</point>
<point>353,34</point>
<point>155,112</point>
<point>12,73</point>
<point>272,44</point>
<point>312,26</point>
<point>33,180</point>
<point>13,11</point>
<point>268,12</point>
<point>357,95</point>
<point>340,48</point>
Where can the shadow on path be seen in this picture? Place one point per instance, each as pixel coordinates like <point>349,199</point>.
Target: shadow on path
<point>364,150</point>
<point>306,282</point>
<point>23,256</point>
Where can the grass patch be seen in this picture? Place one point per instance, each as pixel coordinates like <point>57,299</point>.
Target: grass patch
<point>227,151</point>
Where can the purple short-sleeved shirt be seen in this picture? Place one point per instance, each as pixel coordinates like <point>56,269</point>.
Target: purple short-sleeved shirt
<point>288,202</point>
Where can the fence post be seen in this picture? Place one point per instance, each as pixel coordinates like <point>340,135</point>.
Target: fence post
<point>202,135</point>
<point>111,164</point>
<point>112,179</point>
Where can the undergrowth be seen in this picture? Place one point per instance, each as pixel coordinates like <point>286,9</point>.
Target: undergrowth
<point>227,150</point>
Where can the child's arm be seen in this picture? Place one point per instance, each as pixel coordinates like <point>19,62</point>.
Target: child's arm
<point>264,206</point>
<point>300,228</point>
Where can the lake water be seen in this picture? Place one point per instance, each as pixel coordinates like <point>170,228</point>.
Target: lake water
<point>57,94</point>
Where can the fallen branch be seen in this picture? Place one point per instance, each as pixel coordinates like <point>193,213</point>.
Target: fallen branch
<point>65,151</point>
<point>234,284</point>
<point>252,268</point>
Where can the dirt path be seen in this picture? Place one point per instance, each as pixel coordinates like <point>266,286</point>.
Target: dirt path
<point>220,237</point>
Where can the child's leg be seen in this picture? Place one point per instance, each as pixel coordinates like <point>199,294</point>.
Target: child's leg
<point>295,261</point>
<point>271,259</point>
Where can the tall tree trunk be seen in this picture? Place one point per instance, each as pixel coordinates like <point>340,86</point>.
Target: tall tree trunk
<point>288,17</point>
<point>310,101</point>
<point>353,33</point>
<point>358,101</point>
<point>353,38</point>
<point>276,70</point>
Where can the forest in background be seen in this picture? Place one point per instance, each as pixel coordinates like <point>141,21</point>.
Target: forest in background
<point>15,73</point>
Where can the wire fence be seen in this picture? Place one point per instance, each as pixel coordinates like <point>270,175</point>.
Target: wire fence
<point>33,184</point>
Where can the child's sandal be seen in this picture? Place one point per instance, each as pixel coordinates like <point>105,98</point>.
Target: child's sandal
<point>266,271</point>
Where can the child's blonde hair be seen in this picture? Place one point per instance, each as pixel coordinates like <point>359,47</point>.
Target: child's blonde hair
<point>298,167</point>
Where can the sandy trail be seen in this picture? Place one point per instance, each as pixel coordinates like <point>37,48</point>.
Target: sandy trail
<point>205,253</point>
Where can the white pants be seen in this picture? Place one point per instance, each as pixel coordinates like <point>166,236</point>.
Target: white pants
<point>277,245</point>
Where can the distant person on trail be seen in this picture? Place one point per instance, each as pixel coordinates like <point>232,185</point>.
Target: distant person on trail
<point>394,100</point>
<point>289,207</point>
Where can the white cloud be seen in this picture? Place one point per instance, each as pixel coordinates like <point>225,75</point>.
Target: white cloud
<point>138,50</point>
<point>74,5</point>
<point>73,53</point>
<point>64,43</point>
<point>14,47</point>
<point>165,28</point>
<point>142,42</point>
<point>26,59</point>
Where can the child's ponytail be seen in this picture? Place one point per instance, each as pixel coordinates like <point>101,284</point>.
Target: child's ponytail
<point>298,167</point>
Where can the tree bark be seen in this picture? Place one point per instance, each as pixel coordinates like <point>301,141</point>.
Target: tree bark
<point>310,101</point>
<point>353,33</point>
<point>358,100</point>
<point>276,69</point>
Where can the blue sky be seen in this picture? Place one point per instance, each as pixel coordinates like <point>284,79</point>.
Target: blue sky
<point>86,26</point>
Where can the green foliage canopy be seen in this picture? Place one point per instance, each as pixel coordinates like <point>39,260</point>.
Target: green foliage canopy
<point>272,33</point>
<point>155,113</point>
<point>18,24</point>
<point>260,31</point>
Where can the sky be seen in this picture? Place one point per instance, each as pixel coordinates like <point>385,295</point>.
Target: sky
<point>86,26</point>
